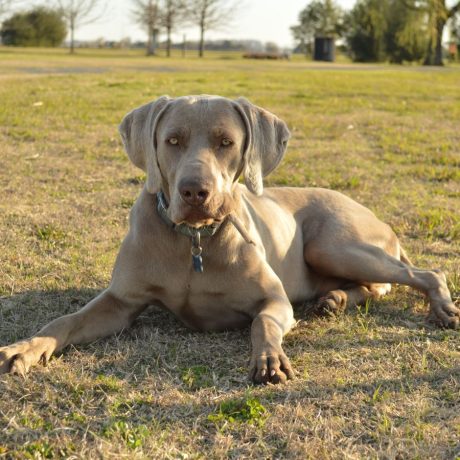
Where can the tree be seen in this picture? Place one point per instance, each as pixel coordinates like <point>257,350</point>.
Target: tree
<point>405,34</point>
<point>172,13</point>
<point>148,13</point>
<point>319,18</point>
<point>365,26</point>
<point>379,30</point>
<point>210,14</point>
<point>438,14</point>
<point>37,27</point>
<point>78,13</point>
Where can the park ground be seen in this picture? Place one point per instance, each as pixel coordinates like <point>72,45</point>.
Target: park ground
<point>378,382</point>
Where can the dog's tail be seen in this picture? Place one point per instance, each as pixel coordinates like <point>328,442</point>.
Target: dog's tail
<point>403,257</point>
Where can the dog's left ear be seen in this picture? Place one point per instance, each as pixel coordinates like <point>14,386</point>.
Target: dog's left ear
<point>137,131</point>
<point>266,142</point>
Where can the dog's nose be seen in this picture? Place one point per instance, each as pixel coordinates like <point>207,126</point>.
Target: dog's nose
<point>193,192</point>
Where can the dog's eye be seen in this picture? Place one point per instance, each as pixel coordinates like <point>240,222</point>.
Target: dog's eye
<point>173,140</point>
<point>226,142</point>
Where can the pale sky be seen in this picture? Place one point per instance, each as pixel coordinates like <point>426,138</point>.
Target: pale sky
<point>264,20</point>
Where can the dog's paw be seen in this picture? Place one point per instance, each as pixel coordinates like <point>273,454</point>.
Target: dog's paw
<point>333,303</point>
<point>445,315</point>
<point>21,356</point>
<point>270,366</point>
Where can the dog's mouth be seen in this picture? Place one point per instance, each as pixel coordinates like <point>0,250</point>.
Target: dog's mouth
<point>199,216</point>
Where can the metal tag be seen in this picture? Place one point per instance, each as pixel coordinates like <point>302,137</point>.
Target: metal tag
<point>197,263</point>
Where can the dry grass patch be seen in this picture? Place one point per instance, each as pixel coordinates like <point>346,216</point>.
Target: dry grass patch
<point>376,383</point>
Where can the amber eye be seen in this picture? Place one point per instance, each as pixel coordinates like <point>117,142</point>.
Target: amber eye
<point>226,142</point>
<point>173,141</point>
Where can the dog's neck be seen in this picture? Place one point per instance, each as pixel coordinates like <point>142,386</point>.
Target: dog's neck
<point>187,230</point>
<point>195,233</point>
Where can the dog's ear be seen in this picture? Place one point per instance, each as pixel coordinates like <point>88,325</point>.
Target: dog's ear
<point>266,142</point>
<point>137,132</point>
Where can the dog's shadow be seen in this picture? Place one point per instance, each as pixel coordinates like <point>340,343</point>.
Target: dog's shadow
<point>156,343</point>
<point>23,314</point>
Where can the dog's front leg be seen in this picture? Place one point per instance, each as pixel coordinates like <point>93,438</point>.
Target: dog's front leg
<point>269,362</point>
<point>104,315</point>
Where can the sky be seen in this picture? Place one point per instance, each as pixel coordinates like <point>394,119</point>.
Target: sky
<point>264,20</point>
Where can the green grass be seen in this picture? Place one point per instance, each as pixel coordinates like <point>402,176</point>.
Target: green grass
<point>376,383</point>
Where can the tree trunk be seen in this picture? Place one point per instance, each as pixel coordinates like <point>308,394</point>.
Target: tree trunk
<point>438,51</point>
<point>429,53</point>
<point>151,42</point>
<point>434,56</point>
<point>201,49</point>
<point>168,42</point>
<point>72,35</point>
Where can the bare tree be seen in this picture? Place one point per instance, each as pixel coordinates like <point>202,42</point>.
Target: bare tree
<point>148,13</point>
<point>211,14</point>
<point>173,12</point>
<point>79,13</point>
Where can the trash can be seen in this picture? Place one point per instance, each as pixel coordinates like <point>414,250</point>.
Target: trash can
<point>324,49</point>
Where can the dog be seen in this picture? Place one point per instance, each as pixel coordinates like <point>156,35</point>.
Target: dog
<point>222,255</point>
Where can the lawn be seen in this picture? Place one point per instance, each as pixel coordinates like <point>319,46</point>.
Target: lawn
<point>378,382</point>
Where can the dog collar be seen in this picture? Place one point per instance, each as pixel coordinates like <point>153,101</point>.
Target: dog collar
<point>194,233</point>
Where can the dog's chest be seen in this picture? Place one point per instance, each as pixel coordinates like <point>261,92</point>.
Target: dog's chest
<point>202,302</point>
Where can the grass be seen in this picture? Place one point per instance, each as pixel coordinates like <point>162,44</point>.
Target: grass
<point>376,383</point>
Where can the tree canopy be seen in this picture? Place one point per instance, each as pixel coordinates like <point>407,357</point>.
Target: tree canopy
<point>319,18</point>
<point>380,30</point>
<point>38,27</point>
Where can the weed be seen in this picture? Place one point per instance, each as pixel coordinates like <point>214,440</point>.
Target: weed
<point>133,436</point>
<point>248,411</point>
<point>39,450</point>
<point>108,383</point>
<point>127,203</point>
<point>50,234</point>
<point>439,223</point>
<point>380,396</point>
<point>364,319</point>
<point>195,377</point>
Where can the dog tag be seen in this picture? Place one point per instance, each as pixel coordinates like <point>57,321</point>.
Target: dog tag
<point>197,263</point>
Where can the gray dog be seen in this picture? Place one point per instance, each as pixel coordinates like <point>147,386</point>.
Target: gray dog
<point>221,255</point>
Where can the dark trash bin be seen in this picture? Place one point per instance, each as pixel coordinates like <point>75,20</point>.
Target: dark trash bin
<point>324,49</point>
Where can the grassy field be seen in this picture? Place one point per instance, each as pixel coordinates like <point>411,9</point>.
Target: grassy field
<point>376,383</point>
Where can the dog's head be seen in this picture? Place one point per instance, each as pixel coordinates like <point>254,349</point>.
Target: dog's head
<point>194,149</point>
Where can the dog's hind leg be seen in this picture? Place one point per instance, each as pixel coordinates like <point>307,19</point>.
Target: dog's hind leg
<point>337,301</point>
<point>366,264</point>
<point>103,316</point>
